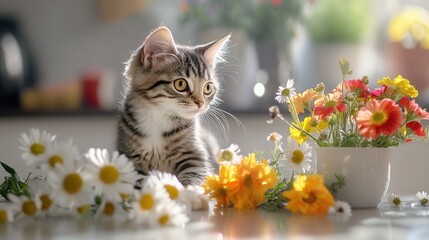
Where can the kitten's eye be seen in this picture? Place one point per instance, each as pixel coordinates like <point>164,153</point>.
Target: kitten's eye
<point>208,88</point>
<point>180,85</point>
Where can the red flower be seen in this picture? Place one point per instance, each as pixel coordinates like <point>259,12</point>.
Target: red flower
<point>413,107</point>
<point>324,107</point>
<point>276,2</point>
<point>417,128</point>
<point>354,86</point>
<point>379,117</point>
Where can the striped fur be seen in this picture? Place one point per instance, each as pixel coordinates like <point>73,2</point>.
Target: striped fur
<point>158,127</point>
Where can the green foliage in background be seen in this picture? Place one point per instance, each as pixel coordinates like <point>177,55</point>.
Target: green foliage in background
<point>339,21</point>
<point>274,19</point>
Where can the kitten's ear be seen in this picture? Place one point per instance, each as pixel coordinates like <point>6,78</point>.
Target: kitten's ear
<point>159,48</point>
<point>214,52</point>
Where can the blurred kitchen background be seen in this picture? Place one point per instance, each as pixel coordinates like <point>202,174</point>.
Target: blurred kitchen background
<point>61,62</point>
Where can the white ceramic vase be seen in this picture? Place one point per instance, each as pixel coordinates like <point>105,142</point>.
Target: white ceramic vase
<point>366,171</point>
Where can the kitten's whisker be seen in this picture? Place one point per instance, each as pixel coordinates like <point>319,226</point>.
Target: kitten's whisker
<point>239,123</point>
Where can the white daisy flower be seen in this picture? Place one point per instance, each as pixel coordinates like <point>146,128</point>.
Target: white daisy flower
<point>170,183</point>
<point>80,210</point>
<point>394,200</point>
<point>423,198</point>
<point>274,137</point>
<point>6,213</point>
<point>70,186</point>
<point>59,153</point>
<point>24,206</point>
<point>193,198</point>
<point>341,208</point>
<point>147,199</point>
<point>111,211</point>
<point>168,214</point>
<point>285,92</point>
<point>35,145</point>
<point>111,176</point>
<point>229,155</point>
<point>298,156</point>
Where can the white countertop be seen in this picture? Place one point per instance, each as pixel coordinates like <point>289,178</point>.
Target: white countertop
<point>384,223</point>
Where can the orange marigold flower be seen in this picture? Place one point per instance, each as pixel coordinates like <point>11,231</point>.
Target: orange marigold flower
<point>302,100</point>
<point>379,117</point>
<point>309,195</point>
<point>324,107</point>
<point>253,179</point>
<point>216,185</point>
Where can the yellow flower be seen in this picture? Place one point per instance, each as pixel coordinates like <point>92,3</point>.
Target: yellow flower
<point>253,179</point>
<point>310,125</point>
<point>216,185</point>
<point>309,196</point>
<point>400,83</point>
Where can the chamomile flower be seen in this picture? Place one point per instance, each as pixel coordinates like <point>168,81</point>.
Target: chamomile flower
<point>229,155</point>
<point>59,153</point>
<point>111,211</point>
<point>423,198</point>
<point>341,208</point>
<point>298,156</point>
<point>6,214</point>
<point>24,205</point>
<point>35,145</point>
<point>169,214</point>
<point>111,176</point>
<point>170,183</point>
<point>394,200</point>
<point>70,186</point>
<point>284,93</point>
<point>193,198</point>
<point>274,137</point>
<point>147,199</point>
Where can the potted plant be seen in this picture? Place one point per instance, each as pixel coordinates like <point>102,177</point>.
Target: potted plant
<point>335,29</point>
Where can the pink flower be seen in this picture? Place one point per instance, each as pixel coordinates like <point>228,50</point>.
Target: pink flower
<point>413,107</point>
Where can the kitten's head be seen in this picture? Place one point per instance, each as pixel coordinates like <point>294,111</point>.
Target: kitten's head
<point>177,80</point>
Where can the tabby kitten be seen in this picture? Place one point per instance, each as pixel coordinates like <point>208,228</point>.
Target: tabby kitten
<point>168,88</point>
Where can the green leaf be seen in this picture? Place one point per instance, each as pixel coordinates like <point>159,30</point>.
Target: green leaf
<point>8,169</point>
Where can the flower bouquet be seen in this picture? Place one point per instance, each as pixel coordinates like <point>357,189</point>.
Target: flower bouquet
<point>353,126</point>
<point>352,115</point>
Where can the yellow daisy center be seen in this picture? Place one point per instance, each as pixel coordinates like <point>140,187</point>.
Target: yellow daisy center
<point>297,156</point>
<point>55,159</point>
<point>379,118</point>
<point>146,201</point>
<point>83,209</point>
<point>172,191</point>
<point>227,155</point>
<point>424,201</point>
<point>3,216</point>
<point>73,183</point>
<point>109,174</point>
<point>163,219</point>
<point>29,208</point>
<point>37,148</point>
<point>109,209</point>
<point>285,92</point>
<point>46,202</point>
<point>396,201</point>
